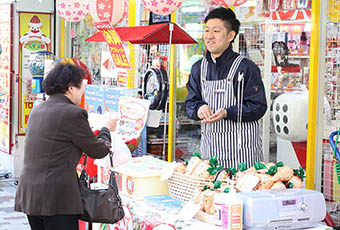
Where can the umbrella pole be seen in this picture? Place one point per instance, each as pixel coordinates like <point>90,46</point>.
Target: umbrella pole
<point>172,103</point>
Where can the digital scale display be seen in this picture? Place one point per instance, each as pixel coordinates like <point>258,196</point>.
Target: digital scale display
<point>288,202</point>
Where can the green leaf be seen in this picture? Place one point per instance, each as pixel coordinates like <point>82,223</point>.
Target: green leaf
<point>233,171</point>
<point>300,173</point>
<point>272,170</point>
<point>259,165</point>
<point>197,155</point>
<point>279,164</point>
<point>289,185</point>
<point>211,170</point>
<point>186,161</point>
<point>242,167</point>
<point>213,161</point>
<point>219,168</point>
<point>217,184</point>
<point>226,190</point>
<point>205,187</point>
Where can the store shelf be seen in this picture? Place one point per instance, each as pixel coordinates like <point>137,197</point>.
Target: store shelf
<point>179,140</point>
<point>298,56</point>
<point>286,69</point>
<point>285,89</point>
<point>182,122</point>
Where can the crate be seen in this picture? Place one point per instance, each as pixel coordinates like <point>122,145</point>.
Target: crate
<point>183,187</point>
<point>333,208</point>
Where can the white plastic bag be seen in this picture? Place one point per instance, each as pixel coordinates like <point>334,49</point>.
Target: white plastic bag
<point>121,153</point>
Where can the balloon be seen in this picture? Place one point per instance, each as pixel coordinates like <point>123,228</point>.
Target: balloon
<point>162,7</point>
<point>110,10</point>
<point>227,3</point>
<point>72,10</point>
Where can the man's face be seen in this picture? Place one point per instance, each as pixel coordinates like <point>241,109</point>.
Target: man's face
<point>216,37</point>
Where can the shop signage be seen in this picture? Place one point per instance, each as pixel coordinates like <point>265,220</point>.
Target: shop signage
<point>115,44</point>
<point>35,35</point>
<point>133,114</point>
<point>5,76</point>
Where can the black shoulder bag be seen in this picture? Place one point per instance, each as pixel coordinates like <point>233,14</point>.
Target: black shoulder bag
<point>103,205</point>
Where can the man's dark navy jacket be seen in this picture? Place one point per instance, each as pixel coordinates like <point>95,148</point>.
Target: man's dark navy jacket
<point>254,98</point>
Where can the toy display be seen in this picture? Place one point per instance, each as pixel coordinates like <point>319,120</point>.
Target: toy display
<point>40,63</point>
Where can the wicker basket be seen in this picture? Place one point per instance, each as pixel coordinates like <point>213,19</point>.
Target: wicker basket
<point>183,186</point>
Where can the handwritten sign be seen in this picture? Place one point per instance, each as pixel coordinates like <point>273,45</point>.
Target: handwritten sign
<point>133,114</point>
<point>115,44</point>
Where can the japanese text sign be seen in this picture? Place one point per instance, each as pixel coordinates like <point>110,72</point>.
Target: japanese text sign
<point>115,44</point>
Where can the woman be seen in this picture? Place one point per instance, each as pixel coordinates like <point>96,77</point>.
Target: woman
<point>58,133</point>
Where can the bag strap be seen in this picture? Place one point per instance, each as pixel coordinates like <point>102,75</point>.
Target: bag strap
<point>84,174</point>
<point>112,180</point>
<point>110,154</point>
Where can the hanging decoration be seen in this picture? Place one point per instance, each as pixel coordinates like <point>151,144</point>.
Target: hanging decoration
<point>333,10</point>
<point>162,7</point>
<point>228,3</point>
<point>110,10</point>
<point>72,10</point>
<point>125,13</point>
<point>303,14</point>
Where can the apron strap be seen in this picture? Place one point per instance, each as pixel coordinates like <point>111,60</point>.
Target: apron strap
<point>234,67</point>
<point>204,71</point>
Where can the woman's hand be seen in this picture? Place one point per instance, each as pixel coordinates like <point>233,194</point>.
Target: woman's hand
<point>111,124</point>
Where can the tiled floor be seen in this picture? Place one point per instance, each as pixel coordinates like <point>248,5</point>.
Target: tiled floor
<point>9,219</point>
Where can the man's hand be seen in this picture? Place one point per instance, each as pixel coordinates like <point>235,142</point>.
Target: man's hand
<point>204,112</point>
<point>220,114</point>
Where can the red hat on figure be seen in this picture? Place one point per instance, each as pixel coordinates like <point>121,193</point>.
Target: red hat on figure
<point>35,21</point>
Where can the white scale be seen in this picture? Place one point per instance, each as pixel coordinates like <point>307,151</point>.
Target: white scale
<point>282,209</point>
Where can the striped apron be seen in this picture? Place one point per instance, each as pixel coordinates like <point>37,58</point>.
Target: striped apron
<point>232,142</point>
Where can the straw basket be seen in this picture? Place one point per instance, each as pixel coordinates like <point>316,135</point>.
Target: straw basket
<point>184,187</point>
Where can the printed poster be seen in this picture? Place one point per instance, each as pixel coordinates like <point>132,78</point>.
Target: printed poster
<point>133,113</point>
<point>35,35</point>
<point>94,99</point>
<point>108,70</point>
<point>5,77</point>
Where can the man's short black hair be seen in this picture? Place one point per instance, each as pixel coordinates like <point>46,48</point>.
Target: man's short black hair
<point>226,15</point>
<point>61,77</point>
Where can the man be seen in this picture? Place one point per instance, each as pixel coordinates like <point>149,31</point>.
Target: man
<point>226,93</point>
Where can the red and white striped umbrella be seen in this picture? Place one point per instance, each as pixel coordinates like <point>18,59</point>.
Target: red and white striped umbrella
<point>227,3</point>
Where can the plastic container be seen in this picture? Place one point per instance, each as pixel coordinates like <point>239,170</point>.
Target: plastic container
<point>37,84</point>
<point>228,211</point>
<point>138,178</point>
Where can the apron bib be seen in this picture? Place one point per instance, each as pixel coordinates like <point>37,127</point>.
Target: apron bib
<point>232,142</point>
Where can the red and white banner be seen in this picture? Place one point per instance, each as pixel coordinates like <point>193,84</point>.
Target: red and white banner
<point>290,15</point>
<point>115,44</point>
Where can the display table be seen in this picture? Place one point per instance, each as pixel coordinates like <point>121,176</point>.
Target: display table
<point>141,215</point>
<point>146,201</point>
